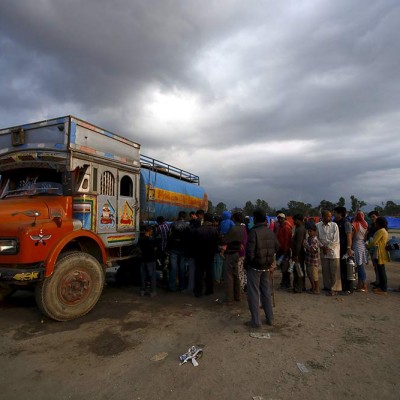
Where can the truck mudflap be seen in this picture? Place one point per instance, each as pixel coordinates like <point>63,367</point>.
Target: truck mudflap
<point>21,275</point>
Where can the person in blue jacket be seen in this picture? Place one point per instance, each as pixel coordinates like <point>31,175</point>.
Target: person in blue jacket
<point>226,223</point>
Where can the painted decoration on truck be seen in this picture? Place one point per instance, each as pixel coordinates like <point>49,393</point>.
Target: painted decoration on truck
<point>177,199</point>
<point>126,218</point>
<point>107,215</point>
<point>82,210</point>
<point>40,238</point>
<point>118,239</point>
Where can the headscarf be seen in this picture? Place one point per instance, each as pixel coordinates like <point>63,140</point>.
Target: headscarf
<point>359,220</point>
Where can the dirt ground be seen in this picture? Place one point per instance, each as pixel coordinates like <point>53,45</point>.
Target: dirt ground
<point>348,345</point>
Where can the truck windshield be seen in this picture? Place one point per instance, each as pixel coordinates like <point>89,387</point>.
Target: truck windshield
<point>31,182</point>
<point>29,188</point>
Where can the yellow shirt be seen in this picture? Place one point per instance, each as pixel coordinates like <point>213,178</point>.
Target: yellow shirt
<point>380,239</point>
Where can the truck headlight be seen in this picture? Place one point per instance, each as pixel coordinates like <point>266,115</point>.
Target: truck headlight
<point>8,246</point>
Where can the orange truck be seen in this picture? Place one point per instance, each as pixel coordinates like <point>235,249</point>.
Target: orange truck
<point>72,199</point>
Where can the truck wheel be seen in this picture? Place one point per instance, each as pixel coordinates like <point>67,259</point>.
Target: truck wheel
<point>73,289</point>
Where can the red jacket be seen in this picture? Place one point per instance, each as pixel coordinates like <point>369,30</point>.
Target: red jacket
<point>284,236</point>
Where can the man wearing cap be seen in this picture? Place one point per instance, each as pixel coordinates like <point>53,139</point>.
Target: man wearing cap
<point>284,237</point>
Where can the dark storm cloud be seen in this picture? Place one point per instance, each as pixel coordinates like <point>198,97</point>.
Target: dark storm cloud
<point>291,100</point>
<point>103,51</point>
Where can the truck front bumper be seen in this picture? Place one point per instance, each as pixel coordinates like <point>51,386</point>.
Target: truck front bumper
<point>21,275</point>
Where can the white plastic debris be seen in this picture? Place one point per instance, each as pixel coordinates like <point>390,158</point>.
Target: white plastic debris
<point>260,335</point>
<point>302,368</point>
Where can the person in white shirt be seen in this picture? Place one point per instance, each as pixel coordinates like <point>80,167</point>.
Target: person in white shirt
<point>328,235</point>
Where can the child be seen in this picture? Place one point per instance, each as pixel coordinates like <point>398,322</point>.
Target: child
<point>311,246</point>
<point>147,245</point>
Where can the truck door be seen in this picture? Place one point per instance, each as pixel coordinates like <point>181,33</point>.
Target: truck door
<point>107,210</point>
<point>128,201</point>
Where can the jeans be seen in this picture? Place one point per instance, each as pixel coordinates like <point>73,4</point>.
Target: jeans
<point>177,267</point>
<point>204,264</point>
<point>218,267</point>
<point>362,276</point>
<point>148,271</point>
<point>232,281</point>
<point>382,277</point>
<point>375,264</point>
<point>259,291</point>
<point>191,268</point>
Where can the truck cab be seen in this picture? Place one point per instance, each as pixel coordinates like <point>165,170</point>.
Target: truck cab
<point>69,207</point>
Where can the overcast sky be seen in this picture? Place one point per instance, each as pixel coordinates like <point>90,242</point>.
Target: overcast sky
<point>272,100</point>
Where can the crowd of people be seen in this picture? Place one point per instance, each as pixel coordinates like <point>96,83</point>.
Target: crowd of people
<point>336,244</point>
<point>199,250</point>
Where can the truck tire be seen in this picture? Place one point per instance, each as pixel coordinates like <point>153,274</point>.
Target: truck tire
<point>73,289</point>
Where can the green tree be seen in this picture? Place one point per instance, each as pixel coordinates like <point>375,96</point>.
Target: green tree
<point>220,208</point>
<point>248,208</point>
<point>341,202</point>
<point>326,205</point>
<point>298,207</point>
<point>379,209</point>
<point>263,205</point>
<point>356,204</point>
<point>391,208</point>
<point>210,207</point>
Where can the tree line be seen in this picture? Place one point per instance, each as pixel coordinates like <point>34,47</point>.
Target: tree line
<point>306,209</point>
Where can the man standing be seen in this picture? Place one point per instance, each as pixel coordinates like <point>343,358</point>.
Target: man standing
<point>284,237</point>
<point>200,217</point>
<point>328,235</point>
<point>345,238</point>
<point>190,246</point>
<point>298,254</point>
<point>206,238</point>
<point>233,241</point>
<point>176,245</point>
<point>260,250</point>
<point>193,222</point>
<point>162,233</point>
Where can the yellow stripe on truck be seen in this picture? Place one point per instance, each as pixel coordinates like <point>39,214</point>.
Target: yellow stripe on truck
<point>176,199</point>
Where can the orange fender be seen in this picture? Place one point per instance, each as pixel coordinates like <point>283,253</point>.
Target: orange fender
<point>53,256</point>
